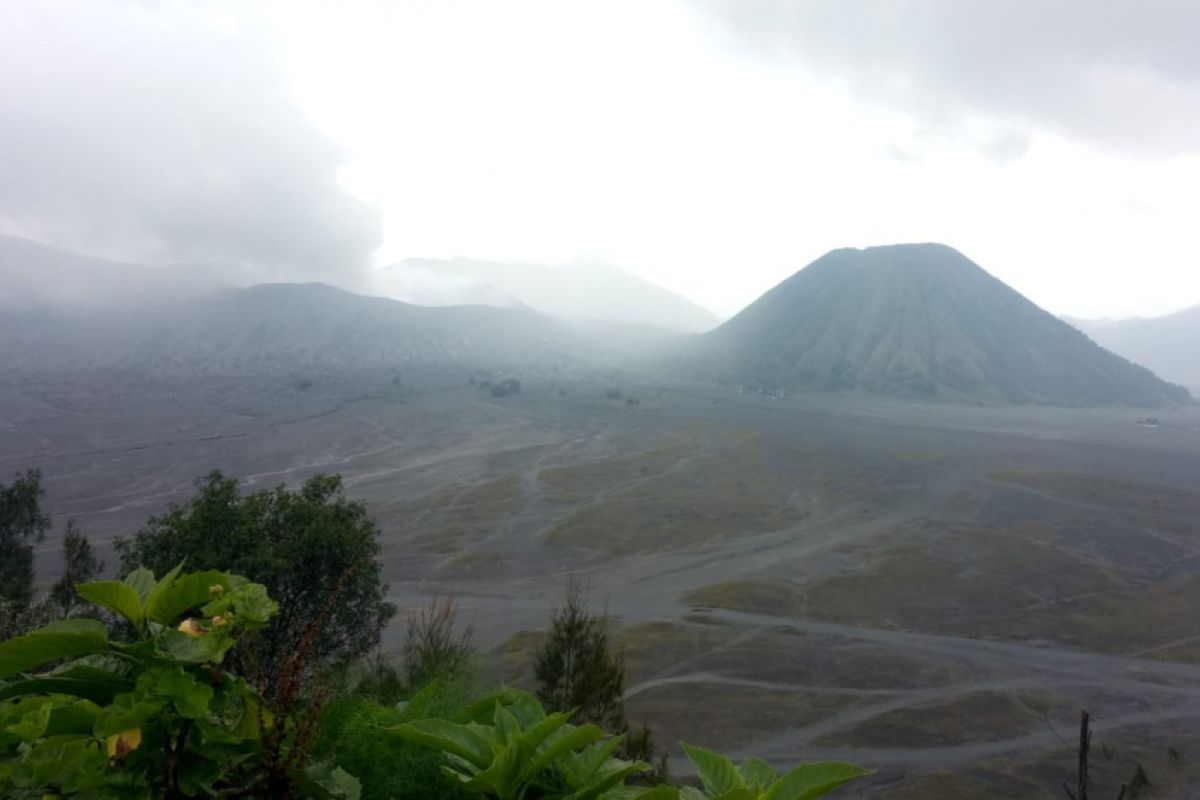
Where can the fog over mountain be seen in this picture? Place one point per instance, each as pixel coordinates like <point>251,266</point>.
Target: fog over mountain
<point>63,311</point>
<point>585,291</point>
<point>1169,345</point>
<point>922,321</point>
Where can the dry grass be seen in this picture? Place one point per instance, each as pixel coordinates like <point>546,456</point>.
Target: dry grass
<point>730,718</point>
<point>974,717</point>
<point>451,518</point>
<point>778,598</point>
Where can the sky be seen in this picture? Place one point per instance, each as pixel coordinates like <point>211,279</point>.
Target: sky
<point>711,146</point>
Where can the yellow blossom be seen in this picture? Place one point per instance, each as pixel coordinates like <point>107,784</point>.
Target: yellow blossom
<point>121,744</point>
<point>192,627</point>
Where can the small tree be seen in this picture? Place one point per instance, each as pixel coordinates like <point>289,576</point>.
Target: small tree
<point>21,524</point>
<point>575,668</point>
<point>314,550</point>
<point>432,649</point>
<point>80,565</point>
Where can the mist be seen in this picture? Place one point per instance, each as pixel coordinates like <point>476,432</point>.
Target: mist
<point>167,133</point>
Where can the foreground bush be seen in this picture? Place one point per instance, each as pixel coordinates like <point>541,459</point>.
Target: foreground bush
<point>506,747</point>
<point>155,717</point>
<point>315,551</point>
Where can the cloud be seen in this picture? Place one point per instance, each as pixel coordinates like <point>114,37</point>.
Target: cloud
<point>1121,74</point>
<point>167,131</point>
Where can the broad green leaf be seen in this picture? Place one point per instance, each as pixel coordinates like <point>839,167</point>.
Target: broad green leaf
<point>99,690</point>
<point>197,774</point>
<point>126,712</point>
<point>606,779</point>
<point>643,793</point>
<point>72,718</point>
<point>692,793</point>
<point>31,721</point>
<point>578,768</point>
<point>71,763</point>
<point>142,581</point>
<point>757,774</point>
<point>738,794</point>
<point>808,781</point>
<point>188,695</point>
<point>209,648</point>
<point>251,603</point>
<point>504,777</point>
<point>328,782</point>
<point>65,639</point>
<point>169,600</point>
<point>568,740</point>
<point>468,742</point>
<point>717,773</point>
<point>117,597</point>
<point>505,724</point>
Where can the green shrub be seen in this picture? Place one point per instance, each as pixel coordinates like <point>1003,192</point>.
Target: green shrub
<point>388,768</point>
<point>507,747</point>
<point>155,717</point>
<point>314,550</point>
<point>755,779</point>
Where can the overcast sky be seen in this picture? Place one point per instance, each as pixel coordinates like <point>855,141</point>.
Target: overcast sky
<point>711,146</point>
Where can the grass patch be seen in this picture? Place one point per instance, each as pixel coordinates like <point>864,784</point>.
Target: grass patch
<point>730,490</point>
<point>451,517</point>
<point>777,598</point>
<point>974,717</point>
<point>725,717</point>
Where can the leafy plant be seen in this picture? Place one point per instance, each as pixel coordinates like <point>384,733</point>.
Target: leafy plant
<point>307,546</point>
<point>755,779</point>
<point>155,717</point>
<point>507,747</point>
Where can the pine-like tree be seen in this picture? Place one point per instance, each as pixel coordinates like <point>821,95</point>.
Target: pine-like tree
<point>22,523</point>
<point>80,565</point>
<point>575,668</point>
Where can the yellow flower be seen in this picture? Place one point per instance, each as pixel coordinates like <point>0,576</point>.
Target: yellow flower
<point>216,588</point>
<point>121,744</point>
<point>192,627</point>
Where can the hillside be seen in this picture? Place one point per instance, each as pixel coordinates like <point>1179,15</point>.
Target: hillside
<point>1168,345</point>
<point>580,292</point>
<point>35,275</point>
<point>920,321</point>
<point>274,328</point>
<point>318,325</point>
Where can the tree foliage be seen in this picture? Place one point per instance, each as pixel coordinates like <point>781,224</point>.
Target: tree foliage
<point>156,717</point>
<point>80,565</point>
<point>314,550</point>
<point>576,670</point>
<point>22,523</point>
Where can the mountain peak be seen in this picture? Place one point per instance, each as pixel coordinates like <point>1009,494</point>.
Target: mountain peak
<point>918,320</point>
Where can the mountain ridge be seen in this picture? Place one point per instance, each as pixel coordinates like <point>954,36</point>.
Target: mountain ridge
<point>585,291</point>
<point>920,321</point>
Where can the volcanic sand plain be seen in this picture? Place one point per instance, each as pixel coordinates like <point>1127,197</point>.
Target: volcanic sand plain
<point>933,591</point>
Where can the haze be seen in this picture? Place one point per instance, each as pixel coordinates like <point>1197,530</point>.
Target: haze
<point>711,147</point>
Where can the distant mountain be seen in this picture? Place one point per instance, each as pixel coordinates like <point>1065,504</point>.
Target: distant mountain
<point>1169,345</point>
<point>286,327</point>
<point>921,321</point>
<point>62,311</point>
<point>34,275</point>
<point>581,292</point>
